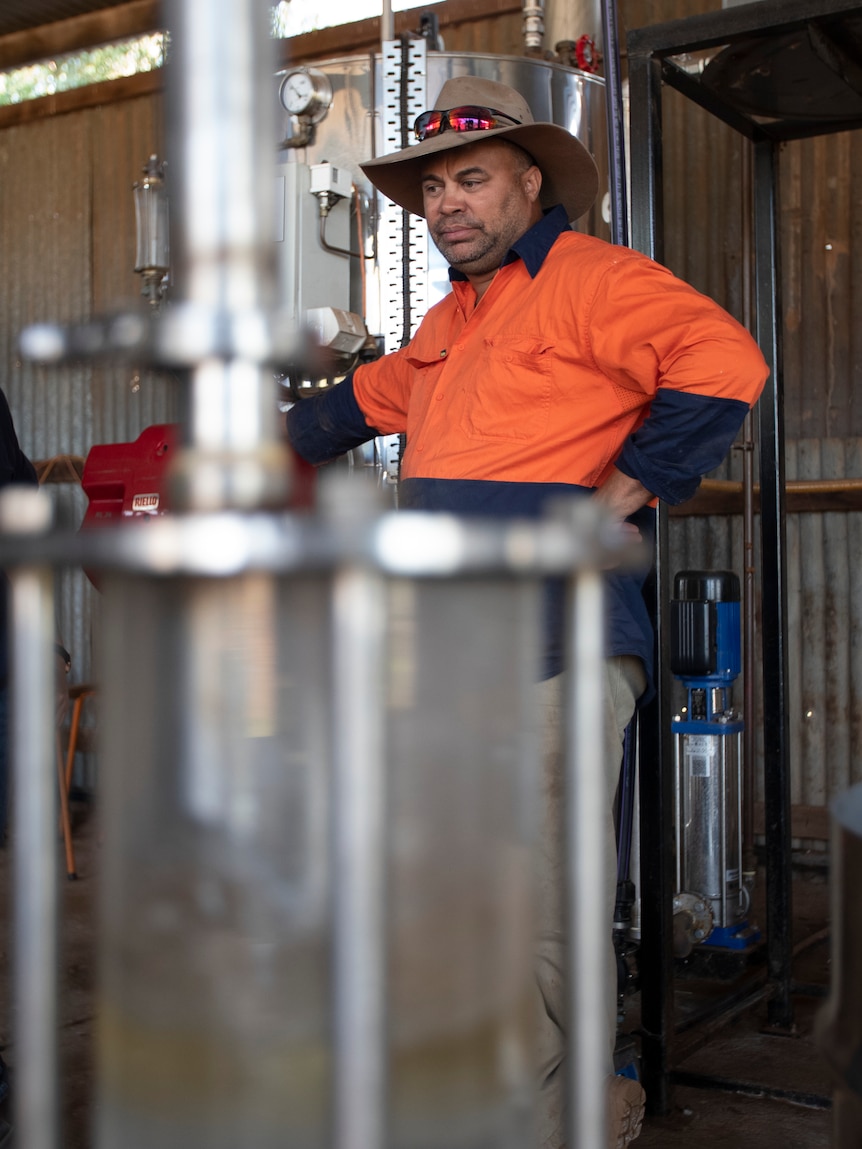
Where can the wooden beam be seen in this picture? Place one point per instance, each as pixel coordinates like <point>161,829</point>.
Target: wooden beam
<point>90,96</point>
<point>140,17</point>
<point>137,18</point>
<point>722,497</point>
<point>805,822</point>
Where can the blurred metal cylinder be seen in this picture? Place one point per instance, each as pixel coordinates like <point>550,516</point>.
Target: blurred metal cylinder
<point>220,153</point>
<point>222,1015</point>
<point>840,1021</point>
<point>27,511</point>
<point>36,859</point>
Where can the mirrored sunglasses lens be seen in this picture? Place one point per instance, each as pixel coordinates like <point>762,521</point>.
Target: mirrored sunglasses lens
<point>428,124</point>
<point>472,119</point>
<point>467,118</point>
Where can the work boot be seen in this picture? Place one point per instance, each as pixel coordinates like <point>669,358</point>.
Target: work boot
<point>626,1100</point>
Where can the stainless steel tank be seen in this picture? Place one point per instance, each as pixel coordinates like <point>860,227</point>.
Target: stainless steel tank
<point>241,774</point>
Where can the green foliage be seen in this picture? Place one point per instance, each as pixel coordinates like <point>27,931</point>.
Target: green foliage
<point>126,58</point>
<point>145,53</point>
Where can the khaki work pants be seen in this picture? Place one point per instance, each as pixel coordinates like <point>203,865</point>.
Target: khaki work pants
<point>625,681</point>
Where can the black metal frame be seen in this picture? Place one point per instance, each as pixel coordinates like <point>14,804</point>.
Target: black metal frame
<point>650,65</point>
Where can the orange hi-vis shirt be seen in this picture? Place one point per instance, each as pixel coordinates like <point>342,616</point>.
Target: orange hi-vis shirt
<point>545,380</point>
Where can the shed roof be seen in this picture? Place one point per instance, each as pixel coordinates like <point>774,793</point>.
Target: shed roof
<point>22,15</point>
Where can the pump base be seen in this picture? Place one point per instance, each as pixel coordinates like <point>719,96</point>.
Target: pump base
<point>722,961</point>
<point>739,937</point>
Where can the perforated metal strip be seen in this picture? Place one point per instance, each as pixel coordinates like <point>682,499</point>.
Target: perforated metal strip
<point>403,237</point>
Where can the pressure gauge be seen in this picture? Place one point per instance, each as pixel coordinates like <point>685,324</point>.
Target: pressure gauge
<point>306,92</point>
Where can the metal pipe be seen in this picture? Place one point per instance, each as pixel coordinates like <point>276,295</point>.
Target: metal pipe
<point>773,532</point>
<point>359,861</point>
<point>748,857</point>
<point>722,833</point>
<point>678,812</point>
<point>35,840</point>
<point>534,26</point>
<point>617,182</point>
<point>656,784</point>
<point>749,860</point>
<point>221,133</point>
<point>387,23</point>
<point>744,890</point>
<point>321,235</point>
<point>750,1089</point>
<point>588,971</point>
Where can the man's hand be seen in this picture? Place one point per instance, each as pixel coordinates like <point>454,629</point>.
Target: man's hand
<point>621,496</point>
<point>618,497</point>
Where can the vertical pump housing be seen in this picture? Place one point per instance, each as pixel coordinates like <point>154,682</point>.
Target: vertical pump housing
<point>712,899</point>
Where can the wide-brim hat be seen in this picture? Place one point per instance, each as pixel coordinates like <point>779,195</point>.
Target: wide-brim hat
<point>569,174</point>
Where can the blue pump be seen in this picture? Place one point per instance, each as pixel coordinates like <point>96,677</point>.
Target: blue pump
<point>712,899</point>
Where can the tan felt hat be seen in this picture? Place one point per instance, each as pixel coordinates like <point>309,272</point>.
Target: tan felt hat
<point>569,174</point>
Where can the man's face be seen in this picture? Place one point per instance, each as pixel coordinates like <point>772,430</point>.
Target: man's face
<point>479,199</point>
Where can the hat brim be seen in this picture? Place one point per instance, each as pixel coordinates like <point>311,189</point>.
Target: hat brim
<point>569,173</point>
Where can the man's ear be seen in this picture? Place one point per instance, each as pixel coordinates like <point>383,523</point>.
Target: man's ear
<point>532,183</point>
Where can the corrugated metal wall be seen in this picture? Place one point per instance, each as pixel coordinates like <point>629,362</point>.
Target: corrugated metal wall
<point>825,625</point>
<point>821,198</point>
<point>68,241</point>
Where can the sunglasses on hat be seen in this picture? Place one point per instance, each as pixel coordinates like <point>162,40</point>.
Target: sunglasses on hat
<point>468,118</point>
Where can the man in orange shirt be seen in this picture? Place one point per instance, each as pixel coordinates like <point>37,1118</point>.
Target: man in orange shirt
<point>558,365</point>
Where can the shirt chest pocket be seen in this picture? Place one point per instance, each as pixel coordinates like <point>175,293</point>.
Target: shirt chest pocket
<point>508,394</point>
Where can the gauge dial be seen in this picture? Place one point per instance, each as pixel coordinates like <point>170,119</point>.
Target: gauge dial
<point>306,92</point>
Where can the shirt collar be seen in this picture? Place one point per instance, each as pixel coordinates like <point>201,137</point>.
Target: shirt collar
<point>534,245</point>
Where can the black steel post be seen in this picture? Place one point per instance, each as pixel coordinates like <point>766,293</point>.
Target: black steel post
<point>776,737</point>
<point>655,959</point>
<point>616,126</point>
<point>647,208</point>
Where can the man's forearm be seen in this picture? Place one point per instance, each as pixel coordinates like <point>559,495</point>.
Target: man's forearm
<point>327,425</point>
<point>620,496</point>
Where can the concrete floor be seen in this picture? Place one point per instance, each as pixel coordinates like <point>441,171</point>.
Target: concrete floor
<point>702,1113</point>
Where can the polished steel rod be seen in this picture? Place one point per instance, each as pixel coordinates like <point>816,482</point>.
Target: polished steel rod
<point>585,819</point>
<point>36,858</point>
<point>221,128</point>
<point>359,860</point>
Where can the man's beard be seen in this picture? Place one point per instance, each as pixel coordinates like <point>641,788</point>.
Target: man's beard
<point>481,254</point>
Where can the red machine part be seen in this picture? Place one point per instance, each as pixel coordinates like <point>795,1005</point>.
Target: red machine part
<point>587,55</point>
<point>128,480</point>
